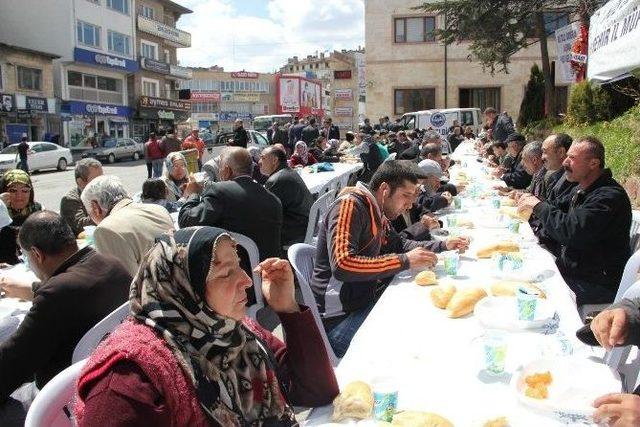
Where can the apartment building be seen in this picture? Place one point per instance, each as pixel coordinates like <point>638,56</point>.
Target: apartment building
<point>406,67</point>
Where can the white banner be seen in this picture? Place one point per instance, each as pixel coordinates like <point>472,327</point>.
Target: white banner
<point>565,37</point>
<point>343,111</point>
<point>362,81</point>
<point>346,94</point>
<point>613,40</point>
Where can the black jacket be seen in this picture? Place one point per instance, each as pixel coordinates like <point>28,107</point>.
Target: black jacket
<point>240,138</point>
<point>309,134</point>
<point>295,133</point>
<point>558,186</point>
<point>592,228</point>
<point>241,205</point>
<point>502,127</point>
<point>517,177</point>
<point>296,202</point>
<point>411,153</point>
<point>82,291</point>
<point>334,132</point>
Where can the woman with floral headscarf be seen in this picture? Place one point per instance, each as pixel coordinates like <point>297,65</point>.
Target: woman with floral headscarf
<point>16,191</point>
<point>302,156</point>
<point>176,175</point>
<point>190,357</point>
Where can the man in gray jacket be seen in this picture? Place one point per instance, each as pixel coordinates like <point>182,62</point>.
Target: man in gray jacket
<point>71,208</point>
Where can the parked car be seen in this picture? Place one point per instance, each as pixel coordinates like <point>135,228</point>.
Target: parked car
<point>222,140</point>
<point>117,149</point>
<point>42,155</point>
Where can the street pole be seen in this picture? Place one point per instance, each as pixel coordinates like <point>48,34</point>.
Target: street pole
<point>446,74</point>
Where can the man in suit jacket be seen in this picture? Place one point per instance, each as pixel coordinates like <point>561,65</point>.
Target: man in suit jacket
<point>329,130</point>
<point>293,193</point>
<point>311,132</point>
<point>237,203</point>
<point>77,289</point>
<point>125,229</point>
<point>71,207</point>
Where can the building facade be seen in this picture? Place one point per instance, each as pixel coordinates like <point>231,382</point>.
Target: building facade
<point>220,97</point>
<point>338,72</point>
<point>154,88</point>
<point>27,103</point>
<point>406,66</point>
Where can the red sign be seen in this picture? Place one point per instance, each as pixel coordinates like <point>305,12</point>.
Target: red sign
<point>244,75</point>
<point>343,74</point>
<point>205,96</point>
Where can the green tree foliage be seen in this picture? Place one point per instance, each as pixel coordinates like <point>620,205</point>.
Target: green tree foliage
<point>588,104</point>
<point>532,106</point>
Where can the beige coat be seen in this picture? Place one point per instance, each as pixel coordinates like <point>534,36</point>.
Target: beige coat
<point>130,230</point>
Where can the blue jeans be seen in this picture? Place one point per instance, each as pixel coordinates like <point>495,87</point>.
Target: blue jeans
<point>157,167</point>
<point>341,335</point>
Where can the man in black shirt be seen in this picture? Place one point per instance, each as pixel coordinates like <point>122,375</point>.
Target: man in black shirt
<point>23,149</point>
<point>240,136</point>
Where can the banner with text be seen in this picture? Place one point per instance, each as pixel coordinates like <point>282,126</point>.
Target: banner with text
<point>613,40</point>
<point>565,37</point>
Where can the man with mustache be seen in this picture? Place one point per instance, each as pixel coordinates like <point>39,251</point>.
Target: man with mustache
<point>591,224</point>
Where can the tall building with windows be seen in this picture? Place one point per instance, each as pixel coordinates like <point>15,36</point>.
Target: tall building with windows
<point>406,67</point>
<point>219,97</point>
<point>95,42</point>
<point>154,89</point>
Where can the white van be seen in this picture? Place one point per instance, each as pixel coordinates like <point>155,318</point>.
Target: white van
<point>262,123</point>
<point>442,120</point>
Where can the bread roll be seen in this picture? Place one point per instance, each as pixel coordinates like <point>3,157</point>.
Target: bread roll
<point>426,278</point>
<point>496,248</point>
<point>507,201</point>
<point>355,401</point>
<point>441,295</point>
<point>508,288</point>
<point>419,419</point>
<point>497,422</point>
<point>463,302</point>
<point>82,235</point>
<point>513,212</point>
<point>464,223</point>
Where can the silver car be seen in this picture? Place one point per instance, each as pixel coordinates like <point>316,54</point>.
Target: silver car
<point>116,149</point>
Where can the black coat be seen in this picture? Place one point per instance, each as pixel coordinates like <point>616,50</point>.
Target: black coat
<point>411,153</point>
<point>82,291</point>
<point>295,134</point>
<point>502,127</point>
<point>517,177</point>
<point>334,132</point>
<point>240,138</point>
<point>296,202</point>
<point>592,228</point>
<point>309,134</point>
<point>241,205</point>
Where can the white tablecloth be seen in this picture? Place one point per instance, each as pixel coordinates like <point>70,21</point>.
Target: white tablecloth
<point>12,310</point>
<point>318,180</point>
<point>435,361</point>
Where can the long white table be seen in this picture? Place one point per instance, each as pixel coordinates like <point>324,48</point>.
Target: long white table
<point>436,362</point>
<point>316,181</point>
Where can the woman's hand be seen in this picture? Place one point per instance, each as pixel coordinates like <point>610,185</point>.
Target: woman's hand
<point>618,410</point>
<point>277,285</point>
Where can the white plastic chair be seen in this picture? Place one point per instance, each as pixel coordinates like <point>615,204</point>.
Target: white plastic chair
<point>618,357</point>
<point>254,259</point>
<point>100,331</point>
<point>634,233</point>
<point>316,213</point>
<point>302,258</point>
<point>629,276</point>
<point>392,156</point>
<point>53,406</point>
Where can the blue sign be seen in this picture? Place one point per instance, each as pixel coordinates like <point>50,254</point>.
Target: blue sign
<point>91,109</point>
<point>15,131</point>
<point>104,60</point>
<point>438,120</point>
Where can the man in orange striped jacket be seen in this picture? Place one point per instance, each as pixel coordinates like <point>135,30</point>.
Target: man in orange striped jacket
<point>359,252</point>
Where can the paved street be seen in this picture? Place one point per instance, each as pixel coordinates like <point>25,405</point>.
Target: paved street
<point>51,185</point>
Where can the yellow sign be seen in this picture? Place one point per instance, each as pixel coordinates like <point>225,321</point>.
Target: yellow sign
<point>246,97</point>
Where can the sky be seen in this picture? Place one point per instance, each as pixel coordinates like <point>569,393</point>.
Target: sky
<point>259,35</point>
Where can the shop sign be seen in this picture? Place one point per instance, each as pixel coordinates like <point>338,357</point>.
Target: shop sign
<point>343,94</point>
<point>205,96</point>
<point>342,74</point>
<point>155,66</point>
<point>164,104</point>
<point>344,111</point>
<point>166,115</point>
<point>159,29</point>
<point>7,103</point>
<point>246,97</point>
<point>91,109</point>
<point>244,75</point>
<point>36,104</point>
<point>182,72</point>
<point>104,60</point>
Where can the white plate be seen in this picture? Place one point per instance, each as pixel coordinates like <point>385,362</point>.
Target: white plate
<point>501,313</point>
<point>577,382</point>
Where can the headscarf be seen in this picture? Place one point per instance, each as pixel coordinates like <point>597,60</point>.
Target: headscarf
<point>172,184</point>
<point>305,153</point>
<point>233,375</point>
<point>18,176</point>
<point>333,144</point>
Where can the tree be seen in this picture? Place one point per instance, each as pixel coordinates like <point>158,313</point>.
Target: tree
<point>532,106</point>
<point>497,29</point>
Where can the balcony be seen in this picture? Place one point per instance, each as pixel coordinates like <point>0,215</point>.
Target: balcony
<point>95,95</point>
<point>170,34</point>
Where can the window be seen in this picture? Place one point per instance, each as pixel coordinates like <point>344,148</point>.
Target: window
<point>121,6</point>
<point>167,56</point>
<point>119,43</point>
<point>88,34</point>
<point>94,1</point>
<point>148,12</point>
<point>406,100</point>
<point>481,97</point>
<point>415,30</point>
<point>29,78</point>
<point>150,87</point>
<point>562,99</point>
<point>148,50</point>
<point>89,87</point>
<point>167,90</point>
<point>89,81</point>
<point>106,83</point>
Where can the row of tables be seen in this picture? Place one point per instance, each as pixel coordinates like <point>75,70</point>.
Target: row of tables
<point>437,363</point>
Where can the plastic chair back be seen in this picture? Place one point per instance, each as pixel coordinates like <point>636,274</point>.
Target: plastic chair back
<point>100,331</point>
<point>254,259</point>
<point>53,406</point>
<point>302,259</point>
<point>318,209</point>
